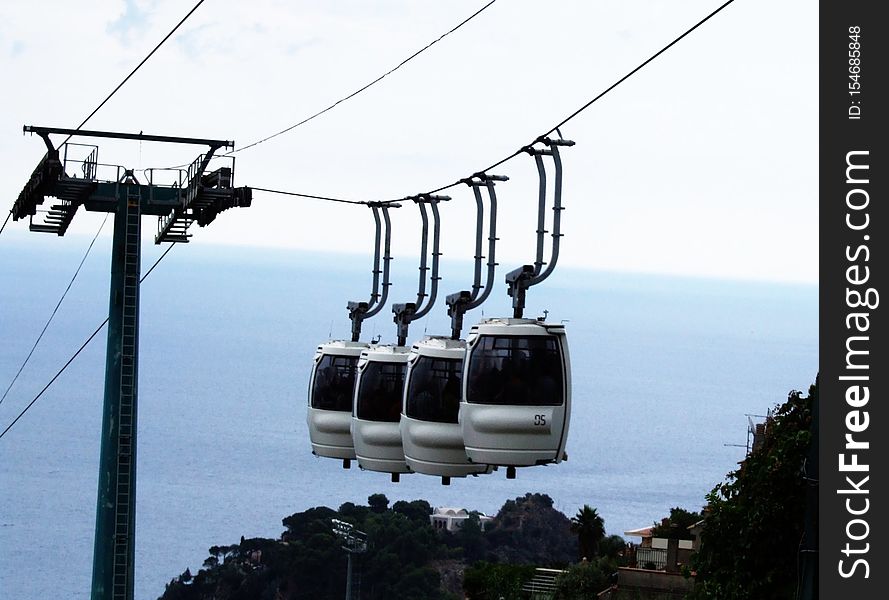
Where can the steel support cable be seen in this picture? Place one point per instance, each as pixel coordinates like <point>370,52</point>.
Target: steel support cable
<point>139,66</point>
<point>633,72</point>
<point>366,86</point>
<point>79,350</point>
<point>555,129</point>
<point>55,310</point>
<point>310,196</point>
<point>6,221</point>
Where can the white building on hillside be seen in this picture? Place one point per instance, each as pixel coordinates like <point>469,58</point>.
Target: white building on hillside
<point>452,519</point>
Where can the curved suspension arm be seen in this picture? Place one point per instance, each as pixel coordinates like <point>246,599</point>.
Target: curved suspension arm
<point>433,285</point>
<point>358,311</point>
<point>460,302</point>
<point>492,240</point>
<point>519,280</point>
<point>375,305</point>
<point>557,217</point>
<point>375,290</point>
<point>541,210</point>
<point>477,257</point>
<point>424,244</point>
<point>410,311</point>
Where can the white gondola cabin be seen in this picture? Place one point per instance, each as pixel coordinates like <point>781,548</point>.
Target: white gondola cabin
<point>516,403</point>
<point>430,432</point>
<point>376,409</point>
<point>331,389</point>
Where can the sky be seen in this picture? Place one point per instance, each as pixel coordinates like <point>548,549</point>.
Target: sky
<point>704,163</point>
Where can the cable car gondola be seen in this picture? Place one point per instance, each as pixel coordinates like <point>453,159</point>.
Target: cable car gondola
<point>430,432</point>
<point>516,403</point>
<point>331,388</point>
<point>331,384</point>
<point>376,413</point>
<point>379,389</point>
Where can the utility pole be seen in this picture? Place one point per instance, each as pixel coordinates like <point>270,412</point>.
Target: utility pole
<point>194,195</point>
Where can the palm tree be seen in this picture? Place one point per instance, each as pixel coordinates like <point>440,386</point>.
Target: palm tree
<point>590,529</point>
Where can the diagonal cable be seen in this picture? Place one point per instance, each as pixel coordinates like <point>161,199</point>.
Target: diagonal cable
<point>79,350</point>
<point>555,129</point>
<point>55,310</point>
<point>6,221</point>
<point>133,72</point>
<point>366,86</point>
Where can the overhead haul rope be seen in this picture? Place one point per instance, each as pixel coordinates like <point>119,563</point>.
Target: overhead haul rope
<point>139,66</point>
<point>539,139</point>
<point>353,94</point>
<point>366,86</point>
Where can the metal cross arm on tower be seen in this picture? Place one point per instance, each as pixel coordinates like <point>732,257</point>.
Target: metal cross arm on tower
<point>73,175</point>
<point>45,131</point>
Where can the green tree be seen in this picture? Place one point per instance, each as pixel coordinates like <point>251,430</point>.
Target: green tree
<point>754,521</point>
<point>472,539</point>
<point>590,529</point>
<point>416,510</point>
<point>378,503</point>
<point>676,525</point>
<point>585,580</point>
<point>613,547</point>
<point>485,581</point>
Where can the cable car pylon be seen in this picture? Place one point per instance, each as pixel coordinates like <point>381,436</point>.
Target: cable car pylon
<point>193,196</point>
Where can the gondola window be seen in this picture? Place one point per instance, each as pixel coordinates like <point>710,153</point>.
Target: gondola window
<point>334,383</point>
<point>434,390</point>
<point>379,393</point>
<point>516,371</point>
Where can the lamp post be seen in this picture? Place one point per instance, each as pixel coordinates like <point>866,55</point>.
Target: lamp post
<point>354,542</point>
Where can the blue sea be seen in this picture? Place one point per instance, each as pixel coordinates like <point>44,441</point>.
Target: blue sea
<point>665,370</point>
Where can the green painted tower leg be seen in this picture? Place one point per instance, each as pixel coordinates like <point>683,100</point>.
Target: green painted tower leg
<point>116,504</point>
